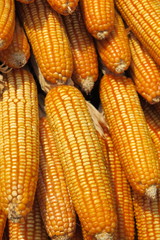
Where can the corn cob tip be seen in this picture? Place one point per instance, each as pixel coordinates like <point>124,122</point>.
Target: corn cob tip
<point>103,236</point>
<point>18,59</point>
<point>156,99</point>
<point>64,237</point>
<point>102,35</point>
<point>70,82</point>
<point>151,192</point>
<point>87,84</point>
<point>12,214</point>
<point>60,80</point>
<point>121,66</point>
<point>4,68</point>
<point>69,10</point>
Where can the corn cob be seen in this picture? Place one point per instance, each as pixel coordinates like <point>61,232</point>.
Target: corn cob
<point>50,44</point>
<point>82,160</point>
<point>130,133</point>
<point>19,144</point>
<point>143,18</point>
<point>98,17</point>
<point>144,72</point>
<point>114,51</point>
<point>120,185</point>
<point>63,7</point>
<point>31,228</point>
<point>18,52</point>
<point>85,62</point>
<point>7,22</point>
<point>3,218</point>
<point>122,193</point>
<point>86,236</point>
<point>153,122</point>
<point>58,216</point>
<point>147,214</point>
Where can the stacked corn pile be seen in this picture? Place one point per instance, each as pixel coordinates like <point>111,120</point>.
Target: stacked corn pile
<point>67,169</point>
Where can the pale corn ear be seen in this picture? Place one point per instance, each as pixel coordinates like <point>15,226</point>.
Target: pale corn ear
<point>144,71</point>
<point>114,50</point>
<point>7,22</point>
<point>32,227</point>
<point>85,60</point>
<point>64,7</point>
<point>82,160</point>
<point>18,52</point>
<point>139,21</point>
<point>47,36</point>
<point>19,144</point>
<point>130,133</point>
<point>98,17</point>
<point>58,216</point>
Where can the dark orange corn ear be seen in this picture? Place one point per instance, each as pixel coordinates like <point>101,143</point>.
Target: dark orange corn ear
<point>85,62</point>
<point>98,17</point>
<point>114,50</point>
<point>18,52</point>
<point>82,160</point>
<point>130,133</point>
<point>143,18</point>
<point>64,7</point>
<point>7,22</point>
<point>46,33</point>
<point>19,144</point>
<point>58,215</point>
<point>144,71</point>
<point>31,227</point>
<point>147,215</point>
